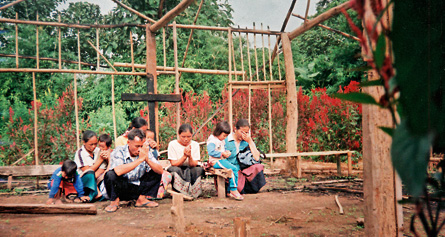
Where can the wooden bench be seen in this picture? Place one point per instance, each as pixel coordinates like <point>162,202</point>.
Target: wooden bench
<point>298,155</point>
<point>26,171</point>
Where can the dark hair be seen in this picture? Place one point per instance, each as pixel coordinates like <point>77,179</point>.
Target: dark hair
<point>138,122</point>
<point>221,127</point>
<point>69,167</point>
<point>185,128</point>
<point>242,123</point>
<point>106,138</point>
<point>87,135</point>
<point>136,133</point>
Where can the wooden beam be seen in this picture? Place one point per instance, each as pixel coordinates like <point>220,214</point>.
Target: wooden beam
<point>317,20</point>
<point>188,70</point>
<point>170,15</point>
<point>97,50</point>
<point>331,29</point>
<point>51,59</point>
<point>32,170</point>
<point>87,209</point>
<point>258,87</point>
<point>51,70</point>
<point>11,4</point>
<point>68,25</point>
<point>151,97</point>
<point>134,11</point>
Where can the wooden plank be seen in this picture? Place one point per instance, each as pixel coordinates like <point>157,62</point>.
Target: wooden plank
<point>87,209</point>
<point>221,186</point>
<point>151,97</point>
<point>225,173</point>
<point>170,15</point>
<point>35,170</point>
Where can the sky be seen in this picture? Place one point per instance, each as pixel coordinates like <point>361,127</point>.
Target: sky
<point>269,12</point>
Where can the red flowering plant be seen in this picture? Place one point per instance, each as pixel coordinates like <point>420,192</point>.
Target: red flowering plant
<point>56,136</point>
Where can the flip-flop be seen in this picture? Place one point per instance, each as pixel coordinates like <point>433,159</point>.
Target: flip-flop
<point>148,204</point>
<point>153,198</point>
<point>111,209</point>
<point>236,197</point>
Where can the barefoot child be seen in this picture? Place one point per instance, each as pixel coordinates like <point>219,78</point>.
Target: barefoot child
<point>65,181</point>
<point>217,155</point>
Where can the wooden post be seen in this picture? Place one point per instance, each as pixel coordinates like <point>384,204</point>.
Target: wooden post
<point>175,49</point>
<point>170,15</point>
<point>177,212</point>
<point>76,111</point>
<point>338,165</point>
<point>60,42</point>
<point>36,144</point>
<point>151,68</point>
<point>37,43</point>
<point>16,42</point>
<point>307,10</point>
<point>292,103</point>
<point>113,107</point>
<point>242,226</point>
<point>349,163</point>
<point>229,38</point>
<point>221,187</point>
<point>9,182</point>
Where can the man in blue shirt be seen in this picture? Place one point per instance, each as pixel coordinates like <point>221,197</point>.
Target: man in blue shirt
<point>134,173</point>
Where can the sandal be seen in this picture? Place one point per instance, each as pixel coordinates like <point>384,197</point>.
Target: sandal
<point>111,208</point>
<point>237,197</point>
<point>147,204</point>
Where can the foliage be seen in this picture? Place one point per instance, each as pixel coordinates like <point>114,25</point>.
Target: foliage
<point>102,120</point>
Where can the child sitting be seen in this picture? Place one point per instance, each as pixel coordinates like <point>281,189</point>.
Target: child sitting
<point>166,176</point>
<point>65,181</point>
<point>104,145</point>
<point>217,153</point>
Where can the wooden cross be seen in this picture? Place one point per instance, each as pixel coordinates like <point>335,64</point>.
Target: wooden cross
<point>151,98</point>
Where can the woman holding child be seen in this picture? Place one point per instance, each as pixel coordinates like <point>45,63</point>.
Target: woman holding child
<point>184,156</point>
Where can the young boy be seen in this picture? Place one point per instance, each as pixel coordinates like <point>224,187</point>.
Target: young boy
<point>64,181</point>
<point>104,145</point>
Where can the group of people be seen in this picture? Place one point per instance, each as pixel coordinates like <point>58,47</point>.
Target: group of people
<point>132,171</point>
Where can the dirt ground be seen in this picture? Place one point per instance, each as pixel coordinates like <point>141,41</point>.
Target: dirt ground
<point>280,209</point>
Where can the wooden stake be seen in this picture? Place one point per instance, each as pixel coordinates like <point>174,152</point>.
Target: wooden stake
<point>76,111</point>
<point>248,57</point>
<point>307,10</point>
<point>241,52</point>
<point>97,50</point>
<point>349,163</point>
<point>36,144</point>
<point>177,212</point>
<point>175,48</point>
<point>170,15</point>
<point>113,107</point>
<point>37,43</point>
<point>88,209</point>
<point>134,11</point>
<point>264,57</point>
<point>256,56</point>
<point>97,46</point>
<point>10,4</point>
<point>229,36</point>
<point>16,42</point>
<point>78,47</point>
<point>131,51</point>
<point>60,42</point>
<point>242,226</point>
<point>270,119</point>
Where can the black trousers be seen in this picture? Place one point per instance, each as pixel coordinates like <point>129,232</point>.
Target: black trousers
<point>120,187</point>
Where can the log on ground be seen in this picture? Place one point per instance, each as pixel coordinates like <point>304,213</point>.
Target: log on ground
<point>87,209</point>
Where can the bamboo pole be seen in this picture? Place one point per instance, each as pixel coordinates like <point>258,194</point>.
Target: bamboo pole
<point>256,82</point>
<point>131,51</point>
<point>76,109</point>
<point>134,11</point>
<point>170,15</point>
<point>78,48</point>
<point>188,70</point>
<point>60,42</point>
<point>97,50</point>
<point>36,141</point>
<point>190,37</point>
<point>257,87</point>
<point>234,59</point>
<point>164,49</point>
<point>16,42</point>
<point>113,107</point>
<point>331,29</point>
<point>50,59</point>
<point>307,10</point>
<point>45,70</point>
<point>270,56</point>
<point>10,4</point>
<point>241,53</point>
<point>37,44</point>
<point>97,46</point>
<point>349,163</point>
<point>248,57</point>
<point>229,37</point>
<point>175,52</point>
<point>250,103</point>
<point>278,61</point>
<point>160,8</point>
<point>270,119</point>
<point>68,25</point>
<point>264,57</point>
<point>256,56</point>
<point>317,20</point>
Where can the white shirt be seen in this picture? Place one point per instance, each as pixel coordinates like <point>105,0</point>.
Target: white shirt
<point>83,158</point>
<point>176,151</point>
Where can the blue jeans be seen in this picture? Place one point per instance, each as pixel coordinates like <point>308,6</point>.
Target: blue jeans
<point>225,164</point>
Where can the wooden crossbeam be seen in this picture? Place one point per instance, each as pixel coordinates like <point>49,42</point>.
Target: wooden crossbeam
<point>88,209</point>
<point>170,15</point>
<point>151,97</point>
